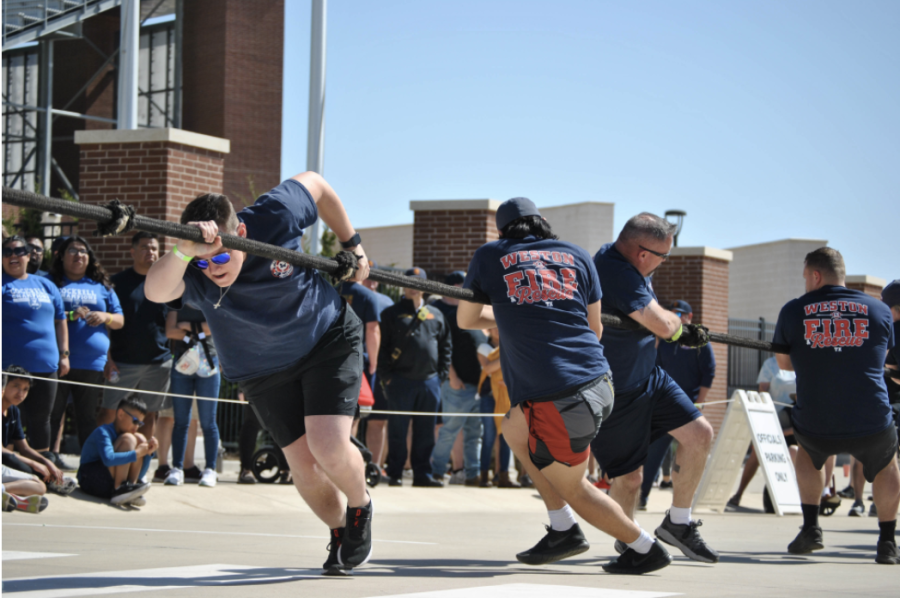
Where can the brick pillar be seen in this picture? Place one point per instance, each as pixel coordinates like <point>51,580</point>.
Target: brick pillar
<point>447,233</point>
<point>869,285</point>
<point>157,171</point>
<point>699,275</point>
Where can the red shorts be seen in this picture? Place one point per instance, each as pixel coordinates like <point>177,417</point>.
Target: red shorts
<point>561,431</point>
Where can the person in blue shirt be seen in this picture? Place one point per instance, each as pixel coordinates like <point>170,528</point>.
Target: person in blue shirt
<point>36,245</point>
<point>92,308</point>
<point>649,404</point>
<point>838,340</point>
<point>115,457</point>
<point>286,336</point>
<point>35,337</point>
<point>376,422</point>
<point>693,371</point>
<point>544,297</point>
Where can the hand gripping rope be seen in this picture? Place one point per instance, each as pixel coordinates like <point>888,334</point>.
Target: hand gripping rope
<point>117,219</point>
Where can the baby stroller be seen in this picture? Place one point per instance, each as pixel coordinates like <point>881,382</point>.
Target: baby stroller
<point>269,464</point>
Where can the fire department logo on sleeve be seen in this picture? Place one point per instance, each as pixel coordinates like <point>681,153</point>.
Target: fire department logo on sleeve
<point>281,269</point>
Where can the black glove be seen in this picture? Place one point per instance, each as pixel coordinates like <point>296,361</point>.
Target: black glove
<point>693,336</point>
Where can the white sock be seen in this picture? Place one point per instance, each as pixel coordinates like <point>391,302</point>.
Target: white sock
<point>825,491</point>
<point>680,516</point>
<point>643,544</point>
<point>562,519</point>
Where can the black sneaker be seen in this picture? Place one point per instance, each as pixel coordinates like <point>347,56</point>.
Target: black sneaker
<point>808,540</point>
<point>555,546</point>
<point>847,492</point>
<point>395,481</point>
<point>427,482</point>
<point>192,475</point>
<point>332,565</point>
<point>887,553</point>
<point>159,476</point>
<point>127,492</point>
<point>665,485</point>
<point>356,545</point>
<point>631,562</point>
<point>687,539</point>
<point>58,461</point>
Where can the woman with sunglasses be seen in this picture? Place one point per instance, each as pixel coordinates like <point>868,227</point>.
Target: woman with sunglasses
<point>91,307</point>
<point>35,337</point>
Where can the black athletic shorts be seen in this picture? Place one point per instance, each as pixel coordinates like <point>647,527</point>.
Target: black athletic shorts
<point>324,382</point>
<point>95,479</point>
<point>875,452</point>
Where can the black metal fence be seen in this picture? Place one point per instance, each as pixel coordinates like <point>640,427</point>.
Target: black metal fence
<point>744,364</point>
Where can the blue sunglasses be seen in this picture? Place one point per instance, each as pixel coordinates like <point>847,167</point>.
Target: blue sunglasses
<point>222,258</point>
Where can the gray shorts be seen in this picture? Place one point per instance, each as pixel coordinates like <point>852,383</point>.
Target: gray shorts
<point>153,377</point>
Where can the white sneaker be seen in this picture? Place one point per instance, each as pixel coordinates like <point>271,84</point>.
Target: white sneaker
<point>175,477</point>
<point>140,501</point>
<point>209,478</point>
<point>458,478</point>
<point>66,488</point>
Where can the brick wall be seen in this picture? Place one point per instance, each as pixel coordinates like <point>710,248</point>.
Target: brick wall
<point>445,240</point>
<point>873,290</point>
<point>700,277</point>
<point>233,70</point>
<point>157,178</point>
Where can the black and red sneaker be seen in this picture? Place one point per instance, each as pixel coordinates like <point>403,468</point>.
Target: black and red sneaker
<point>356,545</point>
<point>332,564</point>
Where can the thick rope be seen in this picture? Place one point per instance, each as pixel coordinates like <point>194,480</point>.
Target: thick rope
<point>106,218</point>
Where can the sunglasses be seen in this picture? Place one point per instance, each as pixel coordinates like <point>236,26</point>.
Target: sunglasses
<point>222,258</point>
<point>136,421</point>
<point>15,251</point>
<point>35,248</point>
<point>76,251</point>
<point>664,256</point>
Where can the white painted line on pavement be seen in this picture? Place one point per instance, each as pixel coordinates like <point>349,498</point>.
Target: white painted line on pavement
<point>144,580</point>
<point>185,531</point>
<point>531,590</point>
<point>18,555</point>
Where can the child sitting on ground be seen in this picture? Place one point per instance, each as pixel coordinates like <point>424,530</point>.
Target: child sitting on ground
<point>25,462</point>
<point>115,457</point>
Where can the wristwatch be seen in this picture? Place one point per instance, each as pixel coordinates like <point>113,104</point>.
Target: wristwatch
<point>64,353</point>
<point>351,242</point>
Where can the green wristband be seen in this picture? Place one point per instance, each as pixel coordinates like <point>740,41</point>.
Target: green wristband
<point>677,334</point>
<point>181,256</point>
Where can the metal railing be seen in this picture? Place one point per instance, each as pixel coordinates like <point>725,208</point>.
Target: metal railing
<point>744,364</point>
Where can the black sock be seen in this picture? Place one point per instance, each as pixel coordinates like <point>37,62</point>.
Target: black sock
<point>810,515</point>
<point>887,531</point>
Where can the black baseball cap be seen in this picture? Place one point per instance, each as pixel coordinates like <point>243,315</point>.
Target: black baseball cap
<point>891,293</point>
<point>513,209</point>
<point>457,277</point>
<point>416,273</point>
<point>682,306</point>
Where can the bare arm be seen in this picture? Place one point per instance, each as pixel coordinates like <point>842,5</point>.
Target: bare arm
<point>594,320</point>
<point>784,362</point>
<point>62,341</point>
<point>701,396</point>
<point>373,344</point>
<point>173,331</point>
<point>475,316</point>
<point>332,212</point>
<point>661,322</point>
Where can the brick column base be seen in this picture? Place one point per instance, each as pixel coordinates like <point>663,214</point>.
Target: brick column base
<point>156,171</point>
<point>447,233</point>
<point>699,275</point>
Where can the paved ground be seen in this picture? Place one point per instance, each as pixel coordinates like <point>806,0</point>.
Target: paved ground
<point>456,542</point>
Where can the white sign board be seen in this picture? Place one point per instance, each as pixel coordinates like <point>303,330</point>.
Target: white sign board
<point>751,417</point>
<point>772,450</point>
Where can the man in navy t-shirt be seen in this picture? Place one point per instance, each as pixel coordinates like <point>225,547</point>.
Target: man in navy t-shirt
<point>693,370</point>
<point>544,297</point>
<point>286,336</point>
<point>891,296</point>
<point>649,404</point>
<point>838,340</point>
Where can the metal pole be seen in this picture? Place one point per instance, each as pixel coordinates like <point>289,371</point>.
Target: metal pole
<point>129,44</point>
<point>315,144</point>
<point>179,37</point>
<point>45,101</point>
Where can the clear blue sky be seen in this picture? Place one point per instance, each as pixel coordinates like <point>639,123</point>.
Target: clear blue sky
<point>763,120</point>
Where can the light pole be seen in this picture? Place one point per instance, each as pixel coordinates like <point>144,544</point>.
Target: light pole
<point>676,217</point>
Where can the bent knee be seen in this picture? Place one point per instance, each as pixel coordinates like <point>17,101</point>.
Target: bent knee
<point>631,481</point>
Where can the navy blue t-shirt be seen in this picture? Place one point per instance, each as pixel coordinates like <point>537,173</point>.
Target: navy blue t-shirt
<point>12,426</point>
<point>631,353</point>
<point>540,290</point>
<point>31,308</point>
<point>689,368</point>
<point>365,304</point>
<point>465,345</point>
<point>383,300</point>
<point>142,340</point>
<point>838,339</point>
<point>88,344</point>
<point>275,312</point>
